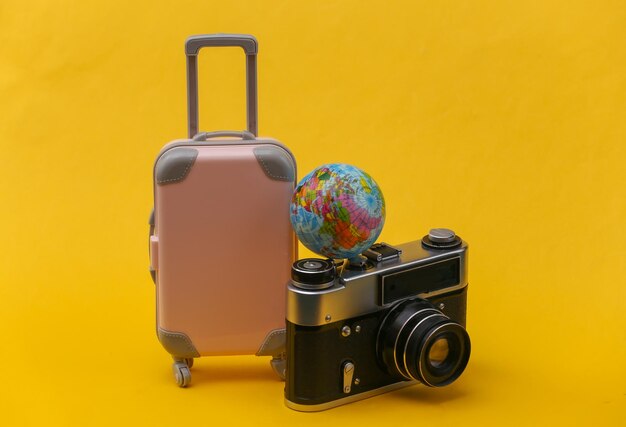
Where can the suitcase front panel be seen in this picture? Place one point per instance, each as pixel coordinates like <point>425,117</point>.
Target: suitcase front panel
<point>225,248</point>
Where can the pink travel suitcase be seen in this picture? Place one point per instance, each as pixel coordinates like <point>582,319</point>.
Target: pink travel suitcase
<point>221,244</point>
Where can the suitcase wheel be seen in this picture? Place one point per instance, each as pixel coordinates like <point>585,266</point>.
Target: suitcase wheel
<point>279,365</point>
<point>186,360</point>
<point>182,374</point>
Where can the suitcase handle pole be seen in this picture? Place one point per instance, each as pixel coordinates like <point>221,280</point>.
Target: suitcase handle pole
<point>250,46</point>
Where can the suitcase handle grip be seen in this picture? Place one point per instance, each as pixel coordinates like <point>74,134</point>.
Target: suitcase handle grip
<point>247,42</point>
<point>203,136</point>
<point>250,46</point>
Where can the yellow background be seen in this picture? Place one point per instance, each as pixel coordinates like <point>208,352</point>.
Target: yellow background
<point>505,121</point>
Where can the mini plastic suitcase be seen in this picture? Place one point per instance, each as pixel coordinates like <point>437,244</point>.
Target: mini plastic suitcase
<point>221,244</point>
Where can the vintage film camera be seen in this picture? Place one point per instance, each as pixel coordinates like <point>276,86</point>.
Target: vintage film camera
<point>355,332</point>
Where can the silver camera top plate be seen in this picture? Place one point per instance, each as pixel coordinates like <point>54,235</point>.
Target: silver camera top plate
<point>355,293</point>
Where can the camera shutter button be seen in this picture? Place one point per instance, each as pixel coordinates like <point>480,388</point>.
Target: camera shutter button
<point>441,235</point>
<point>441,238</point>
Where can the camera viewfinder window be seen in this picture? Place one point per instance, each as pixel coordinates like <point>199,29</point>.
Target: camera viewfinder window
<point>414,281</point>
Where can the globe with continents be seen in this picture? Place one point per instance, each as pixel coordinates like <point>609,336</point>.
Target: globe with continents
<point>337,211</point>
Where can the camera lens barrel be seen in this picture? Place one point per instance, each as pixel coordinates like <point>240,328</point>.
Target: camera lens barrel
<point>418,342</point>
<point>313,273</point>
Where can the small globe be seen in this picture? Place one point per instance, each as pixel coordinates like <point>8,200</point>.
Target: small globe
<point>337,211</point>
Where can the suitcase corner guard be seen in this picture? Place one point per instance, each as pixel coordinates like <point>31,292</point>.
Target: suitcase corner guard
<point>175,164</point>
<point>274,343</point>
<point>276,164</point>
<point>177,344</point>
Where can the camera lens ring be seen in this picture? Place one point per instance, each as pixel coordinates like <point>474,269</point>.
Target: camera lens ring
<point>406,337</point>
<point>448,369</point>
<point>459,348</point>
<point>391,328</point>
<point>422,322</point>
<point>402,369</point>
<point>396,312</point>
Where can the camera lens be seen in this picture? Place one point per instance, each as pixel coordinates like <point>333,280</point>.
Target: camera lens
<point>418,342</point>
<point>439,352</point>
<point>313,273</point>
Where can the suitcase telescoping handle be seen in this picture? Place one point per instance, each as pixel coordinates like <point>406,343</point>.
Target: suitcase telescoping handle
<point>193,45</point>
<point>203,136</point>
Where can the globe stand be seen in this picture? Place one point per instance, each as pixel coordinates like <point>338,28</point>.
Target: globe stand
<point>359,262</point>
